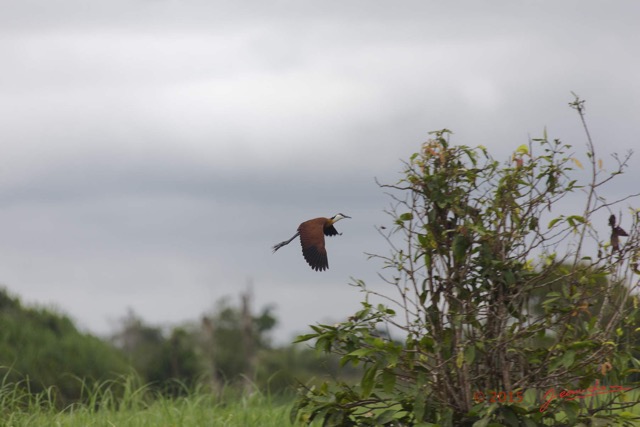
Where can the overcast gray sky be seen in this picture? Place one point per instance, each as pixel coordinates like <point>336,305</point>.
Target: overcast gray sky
<point>154,150</point>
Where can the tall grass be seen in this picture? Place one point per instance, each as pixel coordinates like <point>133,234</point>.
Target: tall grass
<point>125,403</point>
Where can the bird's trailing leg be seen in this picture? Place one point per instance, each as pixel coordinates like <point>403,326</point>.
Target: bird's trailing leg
<point>286,242</point>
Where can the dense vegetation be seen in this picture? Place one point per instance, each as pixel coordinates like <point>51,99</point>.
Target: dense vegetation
<point>229,347</point>
<point>40,348</point>
<point>43,354</point>
<point>508,284</point>
<point>502,296</point>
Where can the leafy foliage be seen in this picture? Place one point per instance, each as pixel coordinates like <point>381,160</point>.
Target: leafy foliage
<point>40,348</point>
<point>42,355</point>
<point>167,363</point>
<point>223,349</point>
<point>229,348</point>
<point>500,289</point>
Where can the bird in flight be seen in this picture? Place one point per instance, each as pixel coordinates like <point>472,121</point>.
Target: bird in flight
<point>312,234</point>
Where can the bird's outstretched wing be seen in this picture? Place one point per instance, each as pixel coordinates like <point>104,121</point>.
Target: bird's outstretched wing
<point>331,231</point>
<point>312,241</point>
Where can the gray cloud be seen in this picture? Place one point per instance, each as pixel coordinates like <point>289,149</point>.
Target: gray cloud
<point>153,151</point>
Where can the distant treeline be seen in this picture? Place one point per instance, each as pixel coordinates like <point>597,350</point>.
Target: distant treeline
<point>42,349</point>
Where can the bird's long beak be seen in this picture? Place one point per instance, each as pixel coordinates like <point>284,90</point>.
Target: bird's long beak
<point>337,218</point>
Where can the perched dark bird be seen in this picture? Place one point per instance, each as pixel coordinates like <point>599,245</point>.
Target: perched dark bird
<point>616,232</point>
<point>312,234</point>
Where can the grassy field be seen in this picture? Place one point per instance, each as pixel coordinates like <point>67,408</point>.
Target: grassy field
<point>182,412</point>
<point>138,407</point>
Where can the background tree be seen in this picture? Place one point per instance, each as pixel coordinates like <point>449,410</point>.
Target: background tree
<point>234,339</point>
<point>40,348</point>
<point>165,362</point>
<point>222,350</point>
<point>473,245</point>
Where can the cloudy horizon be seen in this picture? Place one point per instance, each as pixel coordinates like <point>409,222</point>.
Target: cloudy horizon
<point>154,151</point>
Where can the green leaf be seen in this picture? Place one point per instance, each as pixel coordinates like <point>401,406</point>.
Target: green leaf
<point>388,381</point>
<point>386,417</point>
<point>470,354</point>
<point>407,216</point>
<point>577,218</point>
<point>368,380</point>
<point>628,415</point>
<point>427,343</point>
<point>361,352</point>
<point>570,409</point>
<point>568,358</point>
<point>509,277</point>
<point>419,407</point>
<point>303,338</point>
<point>423,298</point>
<point>510,417</point>
<point>530,398</point>
<point>379,343</point>
<point>579,345</point>
<point>459,246</point>
<point>482,423</point>
<point>555,221</point>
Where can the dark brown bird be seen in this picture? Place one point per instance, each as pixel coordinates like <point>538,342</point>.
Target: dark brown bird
<point>312,234</point>
<point>616,232</point>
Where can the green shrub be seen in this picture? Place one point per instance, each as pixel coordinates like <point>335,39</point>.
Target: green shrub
<point>40,349</point>
<point>500,290</point>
